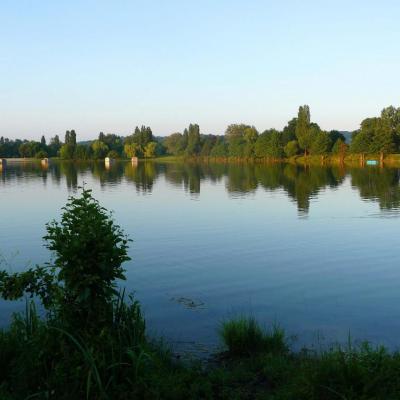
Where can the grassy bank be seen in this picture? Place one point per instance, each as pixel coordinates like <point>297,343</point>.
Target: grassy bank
<point>350,160</point>
<point>41,360</point>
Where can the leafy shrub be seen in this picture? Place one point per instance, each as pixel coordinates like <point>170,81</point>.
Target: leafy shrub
<point>79,286</point>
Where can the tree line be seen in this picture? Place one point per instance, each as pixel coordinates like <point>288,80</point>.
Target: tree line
<point>377,135</point>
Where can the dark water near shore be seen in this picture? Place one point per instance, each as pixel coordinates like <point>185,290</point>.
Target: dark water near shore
<point>315,249</point>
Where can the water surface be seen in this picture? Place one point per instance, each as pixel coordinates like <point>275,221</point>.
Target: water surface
<point>315,249</point>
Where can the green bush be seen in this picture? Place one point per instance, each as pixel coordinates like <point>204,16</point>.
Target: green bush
<point>79,286</point>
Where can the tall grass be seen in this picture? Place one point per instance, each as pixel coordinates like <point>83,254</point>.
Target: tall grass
<point>42,360</point>
<point>244,336</point>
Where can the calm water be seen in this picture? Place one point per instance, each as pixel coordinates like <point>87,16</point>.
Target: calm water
<point>314,249</point>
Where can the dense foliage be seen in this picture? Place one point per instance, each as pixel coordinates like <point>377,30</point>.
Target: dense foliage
<point>380,135</point>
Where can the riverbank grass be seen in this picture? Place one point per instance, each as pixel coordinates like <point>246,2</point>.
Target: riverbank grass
<point>245,336</point>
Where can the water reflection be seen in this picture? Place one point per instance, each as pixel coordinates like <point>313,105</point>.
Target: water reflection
<point>300,183</point>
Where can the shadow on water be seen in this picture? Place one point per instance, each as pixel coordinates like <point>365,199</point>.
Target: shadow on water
<point>300,183</point>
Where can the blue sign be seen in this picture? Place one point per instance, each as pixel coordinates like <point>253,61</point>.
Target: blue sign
<point>372,162</point>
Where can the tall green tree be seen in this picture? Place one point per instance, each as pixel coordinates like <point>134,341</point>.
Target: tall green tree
<point>384,138</point>
<point>303,129</point>
<point>67,151</point>
<point>250,136</point>
<point>193,144</point>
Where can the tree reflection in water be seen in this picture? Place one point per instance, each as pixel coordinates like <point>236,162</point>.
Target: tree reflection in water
<point>300,183</point>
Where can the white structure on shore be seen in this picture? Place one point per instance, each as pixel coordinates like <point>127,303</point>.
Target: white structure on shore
<point>45,162</point>
<point>108,161</point>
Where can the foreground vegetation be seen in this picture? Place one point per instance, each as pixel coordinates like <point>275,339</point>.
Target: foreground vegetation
<point>91,342</point>
<point>378,135</point>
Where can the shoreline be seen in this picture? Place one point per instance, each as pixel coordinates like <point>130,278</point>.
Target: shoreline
<point>349,160</point>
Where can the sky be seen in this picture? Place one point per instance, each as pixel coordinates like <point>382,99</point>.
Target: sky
<point>111,65</point>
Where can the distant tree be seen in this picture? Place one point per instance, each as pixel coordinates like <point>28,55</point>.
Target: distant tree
<point>41,154</point>
<point>24,150</point>
<point>193,143</point>
<point>67,139</point>
<point>340,148</point>
<point>132,150</point>
<point>113,154</point>
<point>384,141</point>
<point>336,148</point>
<point>55,140</point>
<point>207,143</point>
<point>250,136</point>
<point>100,149</point>
<point>220,148</point>
<point>335,135</point>
<point>289,131</point>
<point>67,151</point>
<point>235,131</point>
<point>101,137</point>
<point>73,138</point>
<point>185,139</point>
<point>142,136</point>
<point>10,148</point>
<point>391,116</point>
<point>236,146</point>
<point>269,144</point>
<point>291,148</point>
<point>321,143</point>
<point>54,146</point>
<point>361,142</point>
<point>82,152</point>
<point>29,149</point>
<point>150,149</point>
<point>174,144</point>
<point>303,129</point>
<point>43,141</point>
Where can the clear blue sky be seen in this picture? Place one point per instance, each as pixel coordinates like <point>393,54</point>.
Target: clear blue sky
<point>110,65</point>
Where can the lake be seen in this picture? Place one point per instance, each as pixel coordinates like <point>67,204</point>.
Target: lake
<point>314,249</point>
